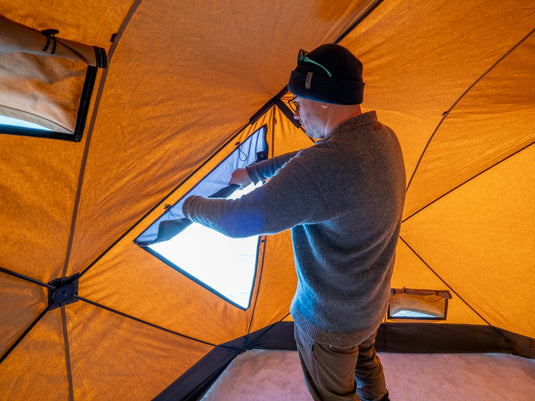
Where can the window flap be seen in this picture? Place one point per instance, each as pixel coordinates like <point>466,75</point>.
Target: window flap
<point>46,80</point>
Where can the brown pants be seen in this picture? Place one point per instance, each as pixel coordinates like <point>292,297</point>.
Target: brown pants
<point>339,374</point>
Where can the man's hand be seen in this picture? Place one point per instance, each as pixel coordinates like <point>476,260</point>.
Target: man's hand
<point>240,178</point>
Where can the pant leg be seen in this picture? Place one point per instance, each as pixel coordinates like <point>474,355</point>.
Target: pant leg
<point>369,375</point>
<point>329,371</point>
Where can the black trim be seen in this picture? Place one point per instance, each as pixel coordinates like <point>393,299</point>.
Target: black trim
<point>157,205</point>
<point>198,379</point>
<point>451,338</point>
<point>36,133</point>
<point>283,107</point>
<point>268,105</point>
<point>423,295</point>
<point>85,100</point>
<point>169,228</point>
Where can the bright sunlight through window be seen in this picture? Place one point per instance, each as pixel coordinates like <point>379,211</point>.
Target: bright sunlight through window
<point>14,122</point>
<point>410,314</point>
<point>226,265</point>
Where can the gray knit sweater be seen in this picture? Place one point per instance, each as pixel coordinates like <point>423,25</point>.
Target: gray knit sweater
<point>343,199</point>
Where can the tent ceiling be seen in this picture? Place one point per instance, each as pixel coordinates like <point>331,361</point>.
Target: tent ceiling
<point>182,81</point>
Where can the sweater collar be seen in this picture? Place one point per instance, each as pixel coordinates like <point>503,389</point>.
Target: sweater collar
<point>355,122</point>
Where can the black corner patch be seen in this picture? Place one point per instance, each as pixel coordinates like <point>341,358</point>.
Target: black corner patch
<point>65,291</point>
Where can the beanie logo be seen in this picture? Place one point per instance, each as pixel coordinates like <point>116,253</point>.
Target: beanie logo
<point>308,80</point>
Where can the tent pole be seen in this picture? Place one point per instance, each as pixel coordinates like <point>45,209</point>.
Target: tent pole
<point>26,278</point>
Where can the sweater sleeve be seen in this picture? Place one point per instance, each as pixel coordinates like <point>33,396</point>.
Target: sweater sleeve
<point>267,168</point>
<point>289,198</point>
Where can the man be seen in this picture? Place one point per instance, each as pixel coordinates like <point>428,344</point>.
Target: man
<point>343,199</point>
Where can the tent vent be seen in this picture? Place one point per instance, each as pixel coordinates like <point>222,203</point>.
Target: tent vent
<point>408,303</point>
<point>65,291</point>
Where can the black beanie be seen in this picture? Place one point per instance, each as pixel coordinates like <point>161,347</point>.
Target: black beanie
<point>329,74</point>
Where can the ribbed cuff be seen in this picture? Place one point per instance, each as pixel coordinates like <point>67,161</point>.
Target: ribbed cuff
<point>188,206</point>
<point>252,172</point>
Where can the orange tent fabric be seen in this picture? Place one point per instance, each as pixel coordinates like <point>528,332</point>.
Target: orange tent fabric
<point>454,79</point>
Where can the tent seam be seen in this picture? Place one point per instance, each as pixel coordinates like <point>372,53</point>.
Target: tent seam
<point>444,281</point>
<point>26,278</point>
<point>371,8</point>
<point>259,270</point>
<point>98,305</point>
<point>447,113</point>
<point>67,353</point>
<point>23,335</point>
<point>83,164</point>
<point>468,180</point>
<point>497,330</point>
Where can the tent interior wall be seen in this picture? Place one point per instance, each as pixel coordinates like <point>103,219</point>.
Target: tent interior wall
<point>454,79</point>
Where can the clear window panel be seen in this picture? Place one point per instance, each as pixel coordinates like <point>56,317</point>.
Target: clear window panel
<point>226,265</point>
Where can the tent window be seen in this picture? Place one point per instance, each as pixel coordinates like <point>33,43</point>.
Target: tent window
<point>46,80</point>
<point>225,266</point>
<point>418,304</point>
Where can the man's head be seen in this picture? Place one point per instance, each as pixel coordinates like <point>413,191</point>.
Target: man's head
<point>330,74</point>
<point>327,84</point>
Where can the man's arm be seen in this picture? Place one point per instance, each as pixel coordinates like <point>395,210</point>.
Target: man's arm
<point>289,198</point>
<point>265,169</point>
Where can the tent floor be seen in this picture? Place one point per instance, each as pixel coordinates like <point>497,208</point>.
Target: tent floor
<point>276,375</point>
